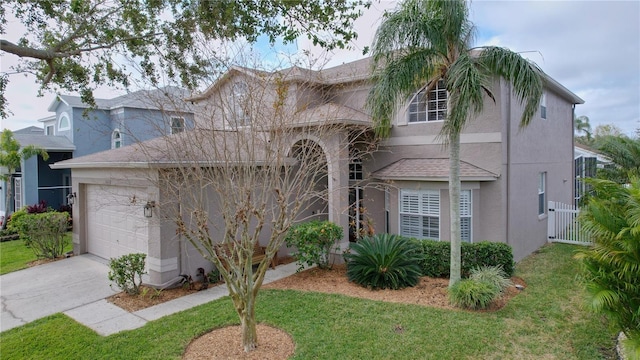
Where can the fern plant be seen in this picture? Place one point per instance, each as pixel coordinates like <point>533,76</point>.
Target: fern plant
<point>384,261</point>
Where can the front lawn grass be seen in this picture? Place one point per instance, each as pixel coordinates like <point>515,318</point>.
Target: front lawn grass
<point>15,255</point>
<point>545,321</point>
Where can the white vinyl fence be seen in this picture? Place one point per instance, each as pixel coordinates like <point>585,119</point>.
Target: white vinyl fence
<point>563,226</point>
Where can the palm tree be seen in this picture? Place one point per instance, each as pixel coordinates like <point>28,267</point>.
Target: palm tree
<point>612,265</point>
<point>11,156</point>
<point>581,125</point>
<point>423,41</point>
<point>624,153</point>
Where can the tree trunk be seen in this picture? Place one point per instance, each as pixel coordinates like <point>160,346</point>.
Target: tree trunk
<point>248,325</point>
<point>454,206</point>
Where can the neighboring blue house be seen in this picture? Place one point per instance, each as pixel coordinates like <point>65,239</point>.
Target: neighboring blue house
<point>76,130</point>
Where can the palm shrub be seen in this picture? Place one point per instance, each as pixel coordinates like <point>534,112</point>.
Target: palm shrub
<point>384,261</point>
<point>472,294</point>
<point>492,275</point>
<point>611,266</point>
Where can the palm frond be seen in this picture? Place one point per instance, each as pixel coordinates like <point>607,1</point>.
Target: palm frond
<point>525,77</point>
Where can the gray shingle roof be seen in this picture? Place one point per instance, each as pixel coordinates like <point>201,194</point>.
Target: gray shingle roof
<point>167,98</point>
<point>199,146</point>
<point>49,143</point>
<point>431,170</point>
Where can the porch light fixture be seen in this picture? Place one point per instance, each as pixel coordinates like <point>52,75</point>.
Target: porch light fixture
<point>71,198</point>
<point>148,208</point>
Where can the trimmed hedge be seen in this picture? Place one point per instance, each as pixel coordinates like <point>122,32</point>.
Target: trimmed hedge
<point>436,257</point>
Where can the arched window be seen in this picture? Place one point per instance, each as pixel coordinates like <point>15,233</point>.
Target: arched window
<point>63,122</point>
<point>431,107</point>
<point>116,139</point>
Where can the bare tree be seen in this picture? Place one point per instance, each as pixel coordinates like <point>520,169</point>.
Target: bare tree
<point>266,151</point>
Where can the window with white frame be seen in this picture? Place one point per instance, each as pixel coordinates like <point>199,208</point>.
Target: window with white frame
<point>465,215</point>
<point>543,106</point>
<point>431,107</point>
<point>116,139</point>
<point>177,125</point>
<point>49,130</point>
<point>17,193</point>
<point>542,188</point>
<point>420,213</point>
<point>63,122</point>
<point>239,101</point>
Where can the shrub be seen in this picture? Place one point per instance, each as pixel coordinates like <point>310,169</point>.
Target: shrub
<point>384,261</point>
<point>38,208</point>
<point>15,223</point>
<point>125,270</point>
<point>492,275</point>
<point>313,241</point>
<point>46,232</point>
<point>472,294</point>
<point>436,257</point>
<point>611,266</point>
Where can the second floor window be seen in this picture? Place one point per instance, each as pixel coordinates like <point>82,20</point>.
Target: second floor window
<point>239,104</point>
<point>177,125</point>
<point>116,139</point>
<point>429,107</point>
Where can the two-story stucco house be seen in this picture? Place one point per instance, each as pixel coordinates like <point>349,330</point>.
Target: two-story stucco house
<point>76,130</point>
<point>398,186</point>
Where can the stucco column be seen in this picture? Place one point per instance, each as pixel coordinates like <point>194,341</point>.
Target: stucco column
<point>337,153</point>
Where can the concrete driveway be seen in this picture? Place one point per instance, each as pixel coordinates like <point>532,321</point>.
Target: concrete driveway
<point>33,293</point>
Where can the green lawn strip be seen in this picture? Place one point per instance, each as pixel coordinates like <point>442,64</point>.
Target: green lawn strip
<point>15,255</point>
<point>545,321</point>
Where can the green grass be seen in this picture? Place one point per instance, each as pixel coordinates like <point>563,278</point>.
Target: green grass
<point>545,321</point>
<point>14,255</point>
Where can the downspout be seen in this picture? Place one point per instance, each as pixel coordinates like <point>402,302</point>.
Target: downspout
<point>573,151</point>
<point>508,180</point>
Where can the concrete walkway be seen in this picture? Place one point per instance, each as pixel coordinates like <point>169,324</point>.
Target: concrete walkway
<point>78,287</point>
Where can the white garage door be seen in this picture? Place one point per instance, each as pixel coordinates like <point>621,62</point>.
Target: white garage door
<point>115,221</point>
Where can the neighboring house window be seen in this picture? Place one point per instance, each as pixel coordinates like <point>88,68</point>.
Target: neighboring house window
<point>49,129</point>
<point>420,214</point>
<point>465,215</point>
<point>585,167</point>
<point>429,108</point>
<point>239,94</point>
<point>17,193</point>
<point>542,189</point>
<point>116,139</point>
<point>543,106</point>
<point>177,125</point>
<point>64,123</point>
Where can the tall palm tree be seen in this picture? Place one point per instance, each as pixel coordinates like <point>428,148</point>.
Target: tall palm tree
<point>423,41</point>
<point>581,125</point>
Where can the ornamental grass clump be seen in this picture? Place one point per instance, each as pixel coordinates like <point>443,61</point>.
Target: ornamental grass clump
<point>492,275</point>
<point>484,285</point>
<point>384,261</point>
<point>472,294</point>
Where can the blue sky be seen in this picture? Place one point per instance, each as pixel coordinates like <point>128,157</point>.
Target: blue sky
<point>591,47</point>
